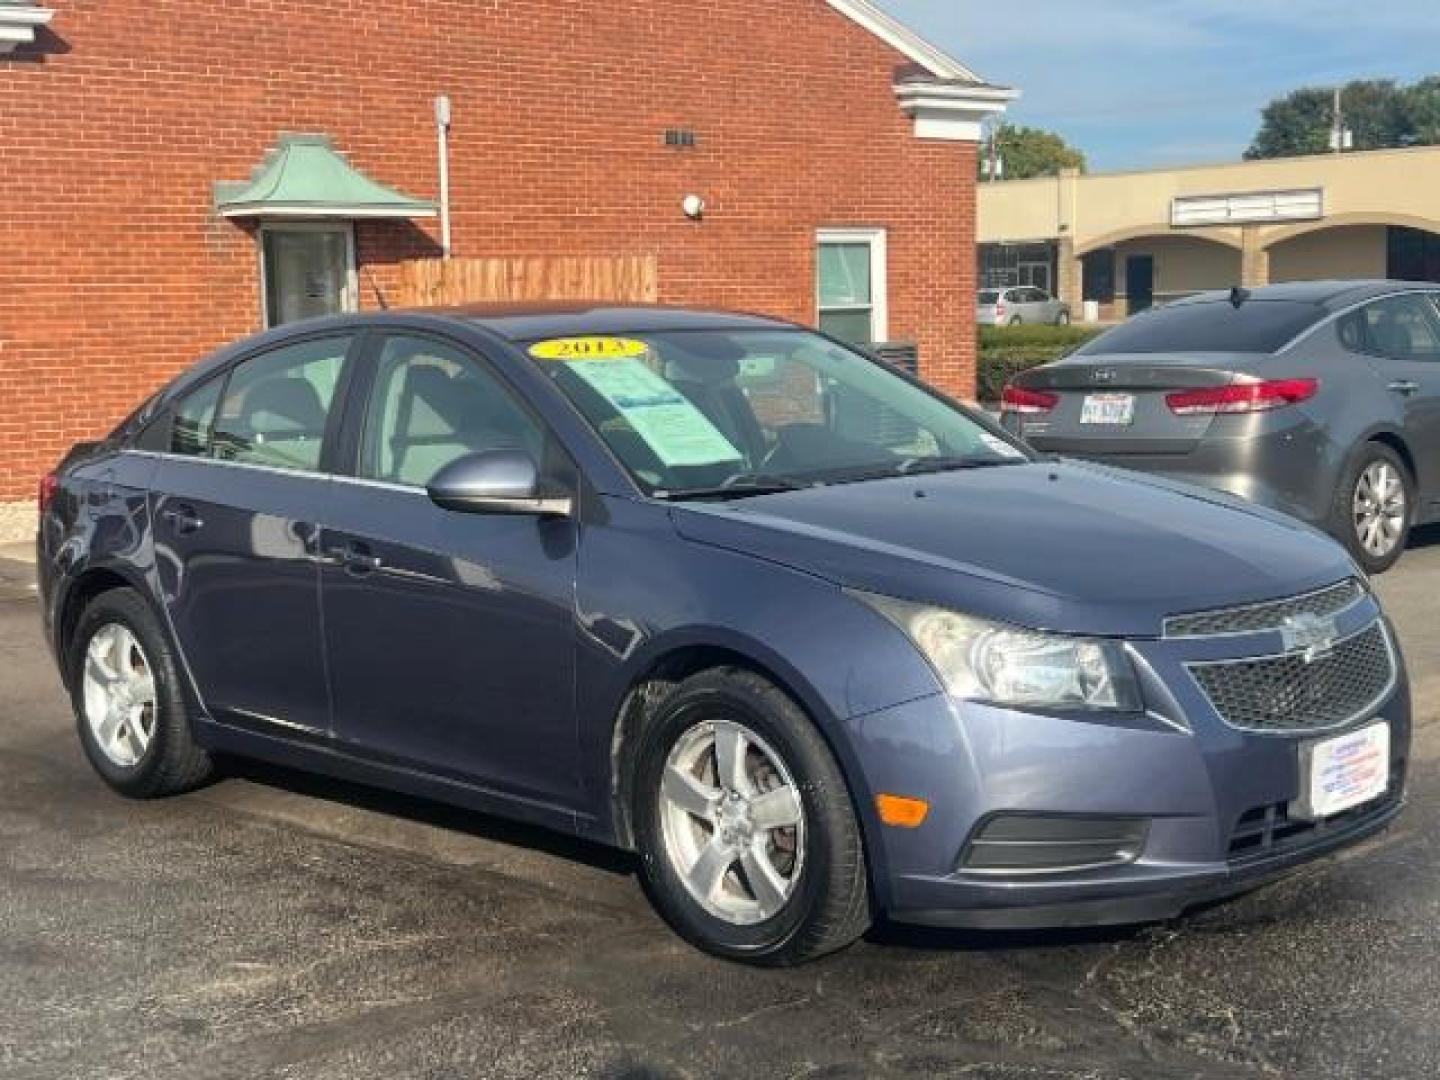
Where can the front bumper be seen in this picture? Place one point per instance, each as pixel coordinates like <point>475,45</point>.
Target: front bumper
<point>1194,779</point>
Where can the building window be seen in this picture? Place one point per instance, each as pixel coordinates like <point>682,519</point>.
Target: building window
<point>1004,266</point>
<point>1412,255</point>
<point>851,284</point>
<point>307,270</point>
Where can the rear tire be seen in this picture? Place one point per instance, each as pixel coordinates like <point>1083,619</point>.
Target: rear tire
<point>1373,507</point>
<point>724,879</point>
<point>1015,320</point>
<point>1063,319</point>
<point>130,709</point>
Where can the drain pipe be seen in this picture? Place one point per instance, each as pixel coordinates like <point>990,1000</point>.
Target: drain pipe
<point>442,136</point>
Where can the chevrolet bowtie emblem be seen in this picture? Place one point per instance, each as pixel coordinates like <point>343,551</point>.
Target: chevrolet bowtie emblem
<point>1311,633</point>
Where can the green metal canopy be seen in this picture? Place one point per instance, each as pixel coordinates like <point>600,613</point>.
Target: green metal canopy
<point>304,176</point>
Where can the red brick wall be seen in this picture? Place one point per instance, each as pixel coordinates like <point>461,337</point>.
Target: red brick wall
<point>115,273</point>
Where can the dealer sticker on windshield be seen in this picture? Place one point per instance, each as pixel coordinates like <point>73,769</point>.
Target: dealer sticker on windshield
<point>588,348</point>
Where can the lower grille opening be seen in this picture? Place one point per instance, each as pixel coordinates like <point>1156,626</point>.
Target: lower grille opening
<point>1053,843</point>
<point>1270,829</point>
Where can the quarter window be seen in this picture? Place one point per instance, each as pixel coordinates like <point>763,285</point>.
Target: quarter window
<point>194,417</point>
<point>851,271</point>
<point>277,405</point>
<point>432,404</point>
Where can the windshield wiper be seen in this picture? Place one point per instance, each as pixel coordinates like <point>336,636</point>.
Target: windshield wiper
<point>918,466</point>
<point>739,486</point>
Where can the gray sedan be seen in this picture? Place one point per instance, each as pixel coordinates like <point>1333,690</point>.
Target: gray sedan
<point>1021,304</point>
<point>1320,399</point>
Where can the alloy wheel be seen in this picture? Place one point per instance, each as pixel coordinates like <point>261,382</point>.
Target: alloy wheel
<point>120,697</point>
<point>732,821</point>
<point>1380,508</point>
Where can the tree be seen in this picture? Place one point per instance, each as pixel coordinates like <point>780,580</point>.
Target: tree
<point>1380,113</point>
<point>1029,152</point>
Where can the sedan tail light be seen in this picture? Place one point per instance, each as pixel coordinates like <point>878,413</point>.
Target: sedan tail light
<point>1242,397</point>
<point>49,484</point>
<point>1017,399</point>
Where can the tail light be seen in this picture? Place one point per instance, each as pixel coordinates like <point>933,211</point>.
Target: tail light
<point>999,307</point>
<point>1017,399</point>
<point>49,484</point>
<point>1242,397</point>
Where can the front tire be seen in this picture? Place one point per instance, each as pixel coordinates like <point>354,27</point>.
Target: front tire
<point>1373,505</point>
<point>749,846</point>
<point>132,716</point>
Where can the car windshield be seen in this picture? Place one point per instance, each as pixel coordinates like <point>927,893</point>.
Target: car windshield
<point>712,413</point>
<point>1255,326</point>
<point>989,296</point>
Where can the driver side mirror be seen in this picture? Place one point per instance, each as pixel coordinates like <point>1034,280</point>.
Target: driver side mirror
<point>495,482</point>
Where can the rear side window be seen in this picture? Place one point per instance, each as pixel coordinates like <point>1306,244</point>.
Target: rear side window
<point>194,418</point>
<point>989,296</point>
<point>1400,327</point>
<point>1256,326</point>
<point>277,405</point>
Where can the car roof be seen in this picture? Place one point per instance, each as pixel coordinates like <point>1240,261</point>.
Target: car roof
<point>526,322</point>
<point>1332,295</point>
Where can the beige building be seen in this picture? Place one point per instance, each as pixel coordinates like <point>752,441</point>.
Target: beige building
<point>1131,239</point>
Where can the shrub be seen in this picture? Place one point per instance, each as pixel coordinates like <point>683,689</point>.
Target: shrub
<point>1005,351</point>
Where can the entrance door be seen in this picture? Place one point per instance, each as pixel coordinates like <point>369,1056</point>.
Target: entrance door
<point>1140,282</point>
<point>1036,274</point>
<point>309,270</point>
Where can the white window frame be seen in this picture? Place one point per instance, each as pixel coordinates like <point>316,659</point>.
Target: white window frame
<point>350,294</point>
<point>879,305</point>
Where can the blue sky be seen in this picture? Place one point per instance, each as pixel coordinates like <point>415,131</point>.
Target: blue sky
<point>1140,83</point>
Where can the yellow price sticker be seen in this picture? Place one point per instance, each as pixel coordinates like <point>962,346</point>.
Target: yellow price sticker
<point>588,348</point>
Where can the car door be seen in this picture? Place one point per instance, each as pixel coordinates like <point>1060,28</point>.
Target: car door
<point>1400,337</point>
<point>450,636</point>
<point>236,501</point>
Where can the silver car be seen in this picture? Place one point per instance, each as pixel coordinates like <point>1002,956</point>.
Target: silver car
<point>1320,399</point>
<point>1020,304</point>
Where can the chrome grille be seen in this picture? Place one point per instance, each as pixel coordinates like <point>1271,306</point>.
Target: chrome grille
<point>1293,693</point>
<point>1271,615</point>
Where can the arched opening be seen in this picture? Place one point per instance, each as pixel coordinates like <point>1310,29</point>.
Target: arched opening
<point>1357,247</point>
<point>1138,272</point>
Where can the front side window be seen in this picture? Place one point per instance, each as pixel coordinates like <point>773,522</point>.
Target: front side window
<point>1400,327</point>
<point>714,412</point>
<point>851,285</point>
<point>277,405</point>
<point>434,403</point>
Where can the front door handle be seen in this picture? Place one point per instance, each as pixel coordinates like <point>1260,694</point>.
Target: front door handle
<point>1404,387</point>
<point>357,558</point>
<point>183,519</point>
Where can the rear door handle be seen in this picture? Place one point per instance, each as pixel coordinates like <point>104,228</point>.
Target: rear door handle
<point>356,557</point>
<point>183,519</point>
<point>1405,387</point>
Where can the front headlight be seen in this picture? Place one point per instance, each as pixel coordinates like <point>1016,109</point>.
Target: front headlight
<point>1004,665</point>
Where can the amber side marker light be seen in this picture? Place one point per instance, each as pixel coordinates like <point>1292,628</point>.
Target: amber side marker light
<point>902,812</point>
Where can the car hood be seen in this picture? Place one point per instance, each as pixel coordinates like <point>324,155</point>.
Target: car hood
<point>1067,546</point>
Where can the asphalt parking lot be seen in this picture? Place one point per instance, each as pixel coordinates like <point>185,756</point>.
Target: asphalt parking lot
<point>277,926</point>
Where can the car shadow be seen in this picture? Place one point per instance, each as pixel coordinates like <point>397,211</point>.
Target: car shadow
<point>435,814</point>
<point>1424,536</point>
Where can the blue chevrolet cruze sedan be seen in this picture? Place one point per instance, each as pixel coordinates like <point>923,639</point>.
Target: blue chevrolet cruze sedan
<point>817,643</point>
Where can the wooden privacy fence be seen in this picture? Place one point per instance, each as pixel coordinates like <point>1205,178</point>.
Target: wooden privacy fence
<point>624,279</point>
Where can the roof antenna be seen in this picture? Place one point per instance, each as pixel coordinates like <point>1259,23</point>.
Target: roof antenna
<point>1238,296</point>
<point>375,288</point>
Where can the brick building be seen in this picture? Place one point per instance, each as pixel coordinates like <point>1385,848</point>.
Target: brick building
<point>176,174</point>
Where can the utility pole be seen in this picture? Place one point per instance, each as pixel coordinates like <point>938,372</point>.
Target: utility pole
<point>1341,137</point>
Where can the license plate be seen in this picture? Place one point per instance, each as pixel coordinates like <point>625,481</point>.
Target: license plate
<point>1108,409</point>
<point>1344,772</point>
